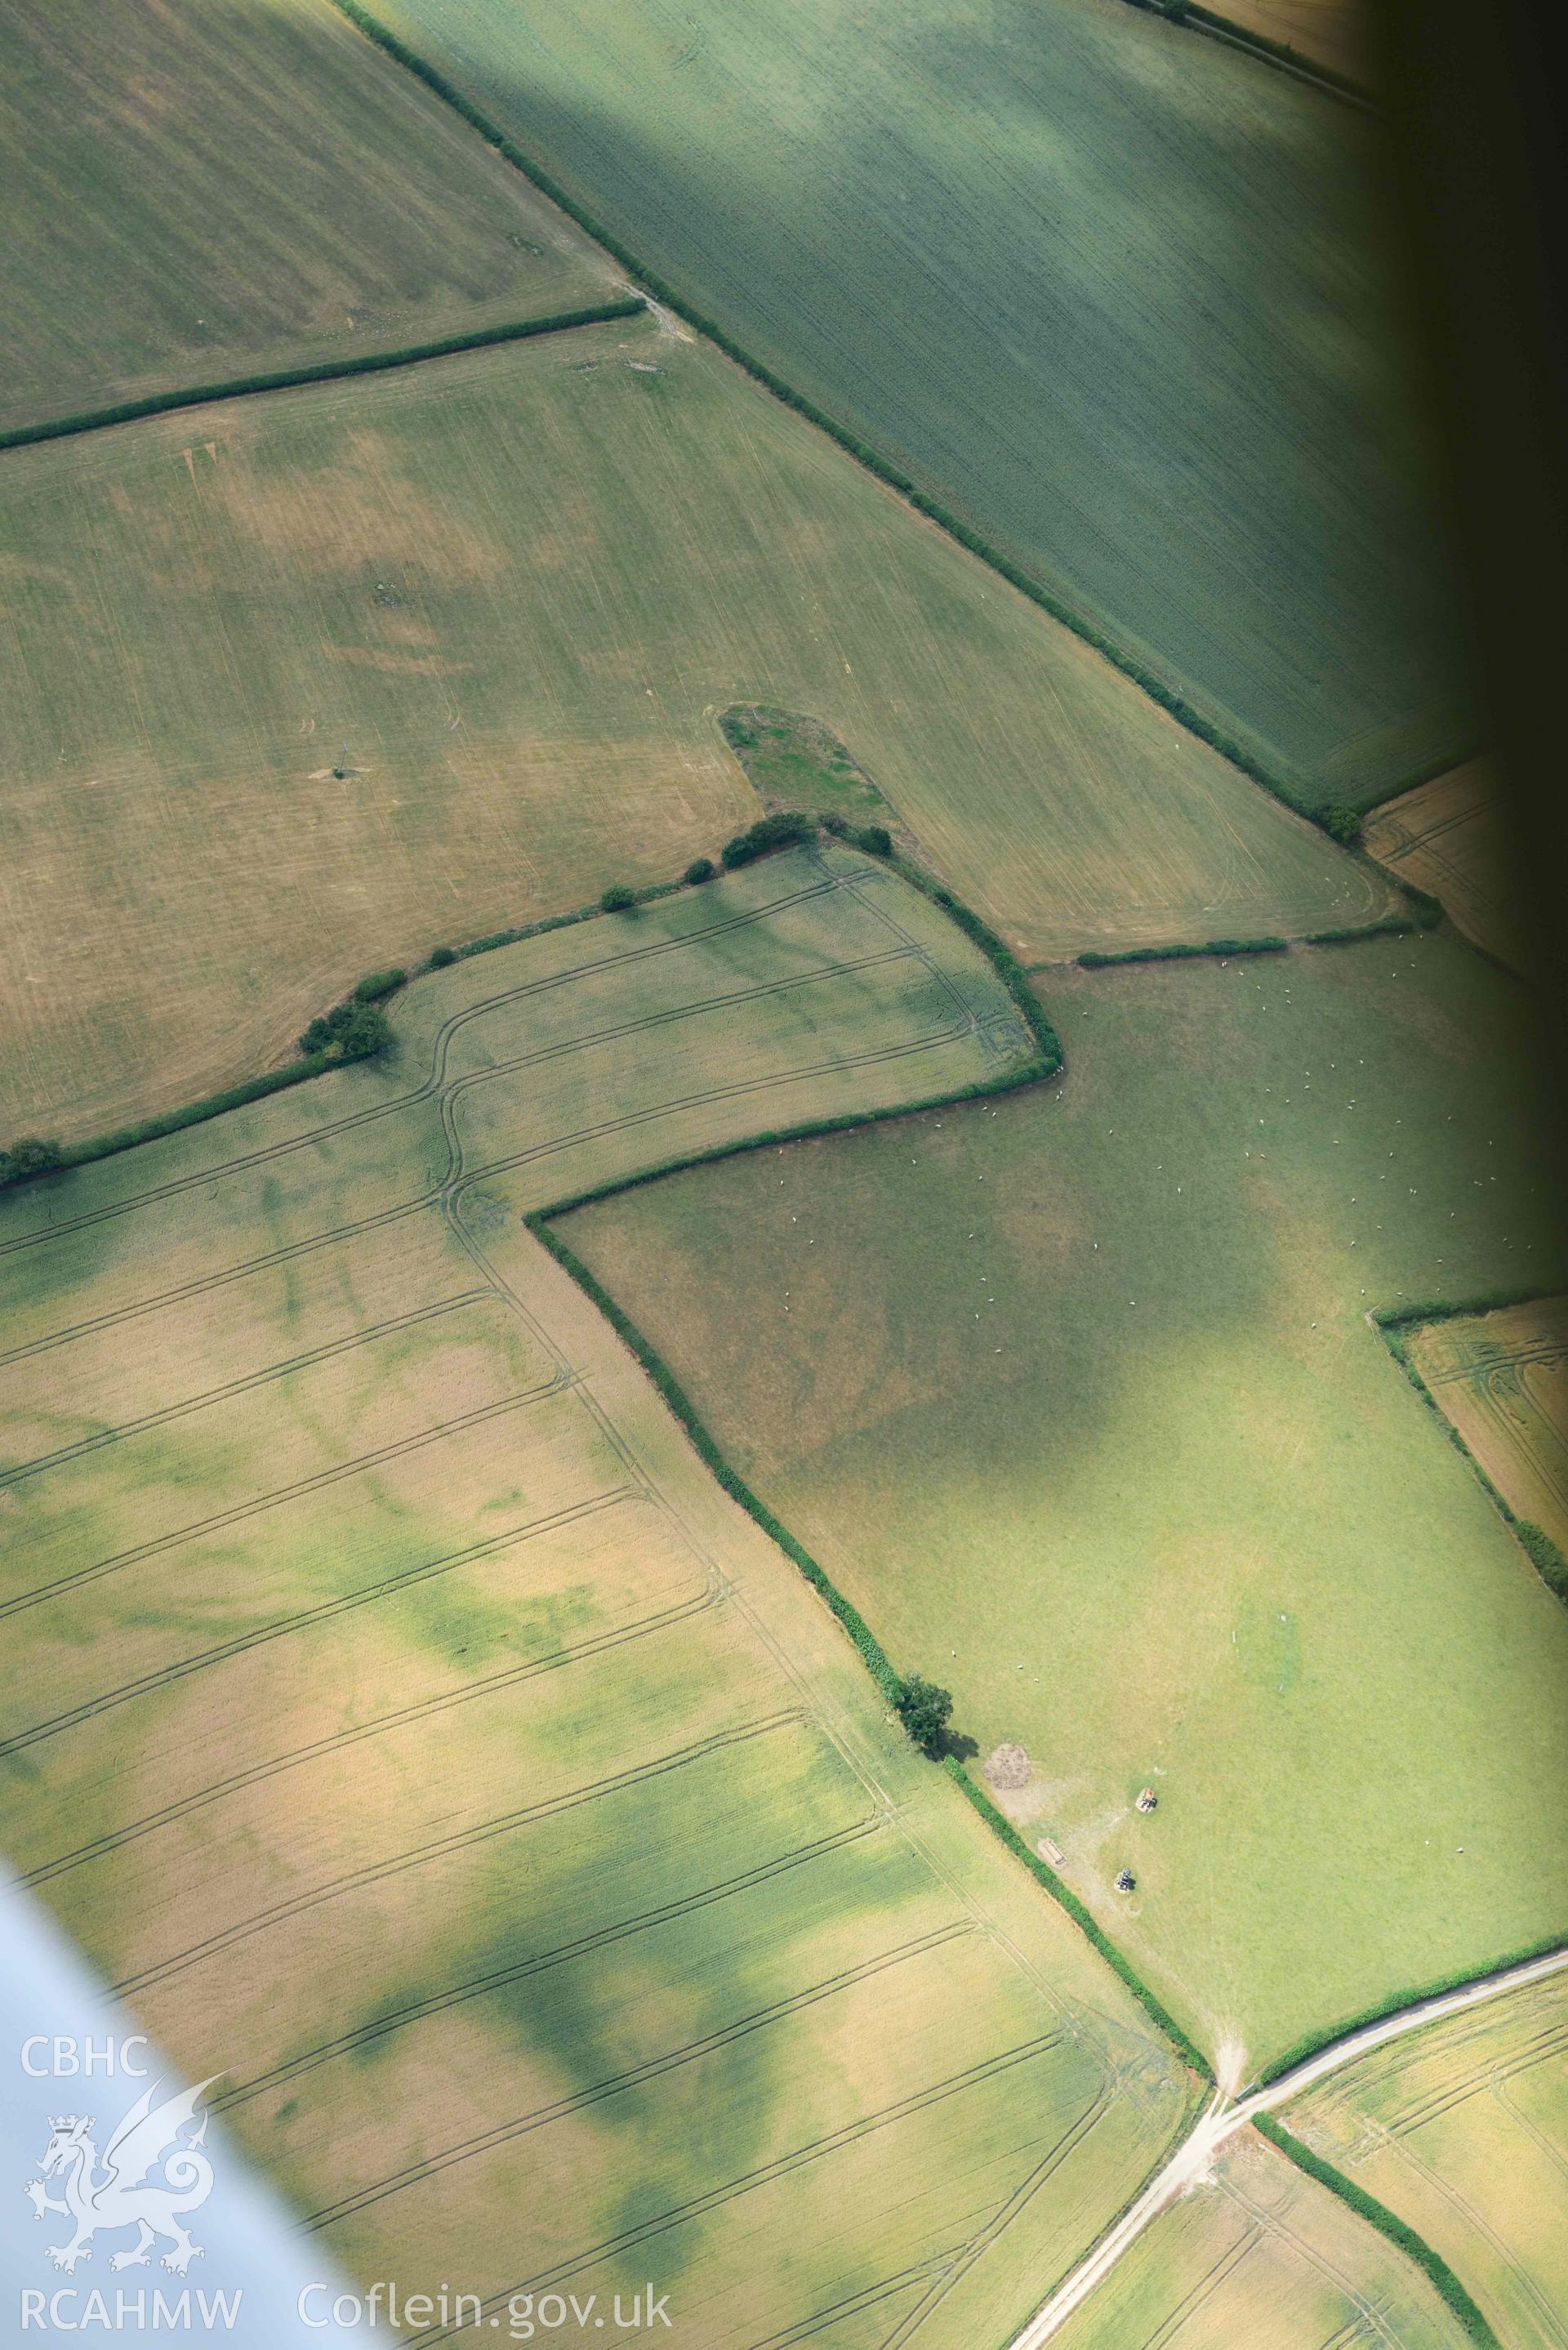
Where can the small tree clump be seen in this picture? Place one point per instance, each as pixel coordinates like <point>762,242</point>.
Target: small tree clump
<point>350,1031</point>
<point>618,898</point>
<point>30,1154</point>
<point>1342,824</point>
<point>924,1710</point>
<point>377,984</point>
<point>781,831</point>
<point>702,869</point>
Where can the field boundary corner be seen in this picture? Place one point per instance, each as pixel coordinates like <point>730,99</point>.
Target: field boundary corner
<point>243,387</point>
<point>1391,1325</point>
<point>1050,600</point>
<point>1388,2224</point>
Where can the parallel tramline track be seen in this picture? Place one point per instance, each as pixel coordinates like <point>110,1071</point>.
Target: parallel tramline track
<point>799,2158</point>
<point>391,1587</point>
<point>668,2060</point>
<point>498,1979</point>
<point>445,1702</point>
<point>431,1085</point>
<point>442,1847</point>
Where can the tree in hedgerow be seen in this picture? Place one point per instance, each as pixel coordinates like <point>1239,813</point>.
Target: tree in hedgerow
<point>924,1710</point>
<point>617,899</point>
<point>702,869</point>
<point>30,1154</point>
<point>1343,823</point>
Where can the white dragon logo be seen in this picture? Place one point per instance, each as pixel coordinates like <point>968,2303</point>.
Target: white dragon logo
<point>124,2196</point>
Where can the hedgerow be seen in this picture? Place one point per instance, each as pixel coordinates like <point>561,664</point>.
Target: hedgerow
<point>1097,958</point>
<point>1063,1893</point>
<point>871,1652</point>
<point>1387,2223</point>
<point>1311,2043</point>
<point>1169,698</point>
<point>1392,1323</point>
<point>159,403</point>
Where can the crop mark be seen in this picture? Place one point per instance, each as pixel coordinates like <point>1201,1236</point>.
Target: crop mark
<point>370,1595</point>
<point>357,1880</point>
<point>798,2158</point>
<point>278,1370</point>
<point>265,1502</point>
<point>424,1711</point>
<point>615,2084</point>
<point>441,1044</point>
<point>481,1986</point>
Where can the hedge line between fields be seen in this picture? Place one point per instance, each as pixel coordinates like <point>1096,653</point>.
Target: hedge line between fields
<point>1336,84</point>
<point>1387,2223</point>
<point>1059,1891</point>
<point>1426,912</point>
<point>869,1649</point>
<point>316,1064</point>
<point>160,403</point>
<point>1391,1325</point>
<point>1314,2043</point>
<point>1176,704</point>
<point>308,1064</point>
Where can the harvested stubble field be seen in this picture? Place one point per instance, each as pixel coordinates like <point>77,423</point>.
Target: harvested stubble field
<point>1450,838</point>
<point>1502,1379</point>
<point>404,1720</point>
<point>511,594</point>
<point>1075,1398</point>
<point>1259,2254</point>
<point>1112,292</point>
<point>232,186</point>
<point>1462,2131</point>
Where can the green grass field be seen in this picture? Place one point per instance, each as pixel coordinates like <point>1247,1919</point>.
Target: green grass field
<point>403,1720</point>
<point>198,192</point>
<point>511,594</point>
<point>1462,2130</point>
<point>1112,292</point>
<point>1258,2254</point>
<point>1075,1400</point>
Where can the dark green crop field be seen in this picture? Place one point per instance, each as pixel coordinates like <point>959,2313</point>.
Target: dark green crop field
<point>1111,292</point>
<point>208,188</point>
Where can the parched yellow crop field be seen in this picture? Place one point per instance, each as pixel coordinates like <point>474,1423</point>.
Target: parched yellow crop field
<point>199,189</point>
<point>509,595</point>
<point>1462,2131</point>
<point>1502,1379</point>
<point>406,1722</point>
<point>1449,838</point>
<point>1259,2257</point>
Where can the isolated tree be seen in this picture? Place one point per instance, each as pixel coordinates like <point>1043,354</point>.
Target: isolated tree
<point>924,1710</point>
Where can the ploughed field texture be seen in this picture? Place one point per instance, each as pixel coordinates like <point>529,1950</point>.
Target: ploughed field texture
<point>1502,1379</point>
<point>1462,2130</point>
<point>1073,1396</point>
<point>1259,2253</point>
<point>208,188</point>
<point>1114,293</point>
<point>510,595</point>
<point>1450,837</point>
<point>406,1724</point>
